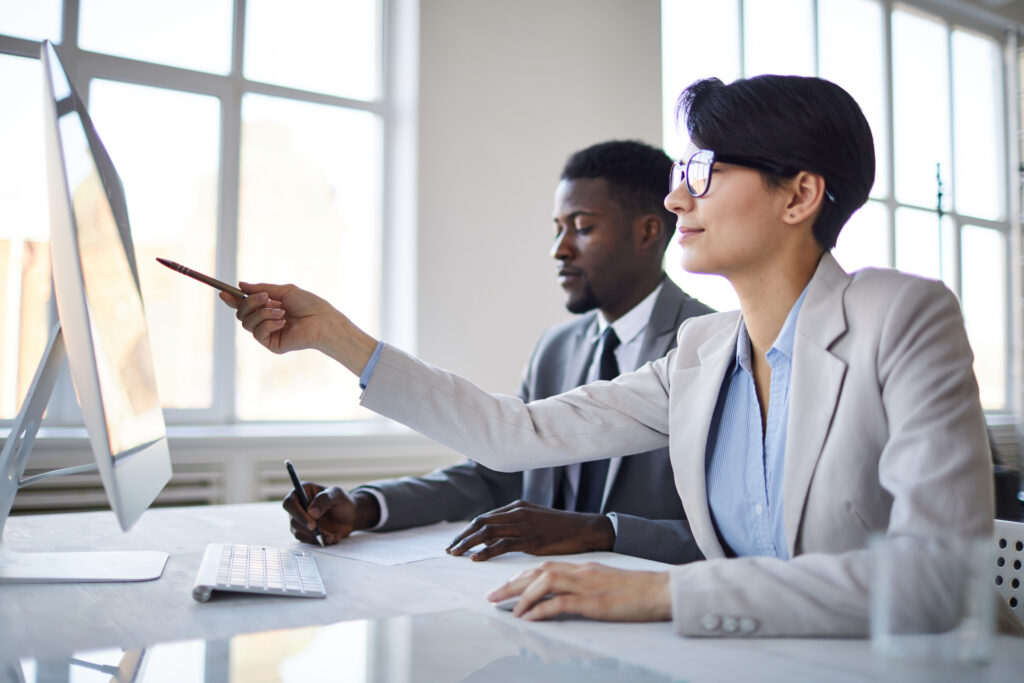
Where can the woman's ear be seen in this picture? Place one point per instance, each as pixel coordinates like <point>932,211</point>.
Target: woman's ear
<point>806,192</point>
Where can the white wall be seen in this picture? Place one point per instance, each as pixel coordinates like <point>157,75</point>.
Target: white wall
<point>507,90</point>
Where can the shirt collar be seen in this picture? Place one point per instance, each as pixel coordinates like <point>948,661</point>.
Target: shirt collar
<point>787,335</point>
<point>632,324</point>
<point>783,342</point>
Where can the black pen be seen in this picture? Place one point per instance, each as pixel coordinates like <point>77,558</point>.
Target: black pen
<point>300,493</point>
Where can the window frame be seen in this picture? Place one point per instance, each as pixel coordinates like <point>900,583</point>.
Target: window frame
<point>395,107</point>
<point>1005,33</point>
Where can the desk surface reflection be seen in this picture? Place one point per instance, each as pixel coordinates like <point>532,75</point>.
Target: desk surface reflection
<point>453,645</point>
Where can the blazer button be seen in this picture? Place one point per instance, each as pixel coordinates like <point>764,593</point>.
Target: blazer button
<point>748,625</point>
<point>730,624</point>
<point>710,622</point>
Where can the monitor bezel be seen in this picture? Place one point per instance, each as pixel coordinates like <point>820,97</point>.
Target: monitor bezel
<point>134,479</point>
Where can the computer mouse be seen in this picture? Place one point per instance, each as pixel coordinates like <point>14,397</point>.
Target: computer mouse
<point>509,604</point>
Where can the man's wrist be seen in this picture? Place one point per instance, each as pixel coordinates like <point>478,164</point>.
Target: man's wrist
<point>602,532</point>
<point>367,509</point>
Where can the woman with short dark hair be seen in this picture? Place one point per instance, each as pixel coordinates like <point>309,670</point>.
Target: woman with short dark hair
<point>829,408</point>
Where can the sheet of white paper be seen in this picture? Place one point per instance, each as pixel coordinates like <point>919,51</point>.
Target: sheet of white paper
<point>396,547</point>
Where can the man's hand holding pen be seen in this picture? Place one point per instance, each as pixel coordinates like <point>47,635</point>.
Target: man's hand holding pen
<point>335,512</point>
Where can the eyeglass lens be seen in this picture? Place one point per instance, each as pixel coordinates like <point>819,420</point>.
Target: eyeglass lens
<point>698,172</point>
<point>695,172</point>
<point>677,176</point>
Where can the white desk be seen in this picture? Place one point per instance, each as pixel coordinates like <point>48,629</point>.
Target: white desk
<point>45,621</point>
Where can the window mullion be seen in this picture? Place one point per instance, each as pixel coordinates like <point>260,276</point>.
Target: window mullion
<point>890,124</point>
<point>69,23</point>
<point>1014,88</point>
<point>227,221</point>
<point>741,44</point>
<point>950,191</point>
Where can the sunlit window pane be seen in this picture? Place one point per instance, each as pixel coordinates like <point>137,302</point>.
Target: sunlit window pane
<point>165,146</point>
<point>920,250</point>
<point>31,19</point>
<point>698,40</point>
<point>977,106</point>
<point>23,197</point>
<point>854,27</point>
<point>309,214</point>
<point>921,108</point>
<point>985,310</point>
<point>348,643</point>
<point>328,46</point>
<point>778,37</point>
<point>185,660</point>
<point>864,240</point>
<point>24,231</point>
<point>192,34</point>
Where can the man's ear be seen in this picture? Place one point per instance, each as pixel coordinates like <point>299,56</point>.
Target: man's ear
<point>805,194</point>
<point>648,232</point>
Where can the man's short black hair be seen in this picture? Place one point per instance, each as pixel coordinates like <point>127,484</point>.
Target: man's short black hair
<point>637,175</point>
<point>808,124</point>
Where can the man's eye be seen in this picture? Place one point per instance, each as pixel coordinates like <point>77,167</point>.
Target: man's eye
<point>584,229</point>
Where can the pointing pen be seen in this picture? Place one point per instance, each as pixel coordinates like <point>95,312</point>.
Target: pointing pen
<point>206,279</point>
<point>300,493</point>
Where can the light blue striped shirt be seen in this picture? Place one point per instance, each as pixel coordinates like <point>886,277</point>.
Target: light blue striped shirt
<point>371,365</point>
<point>744,472</point>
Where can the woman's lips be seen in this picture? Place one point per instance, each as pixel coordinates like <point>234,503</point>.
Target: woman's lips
<point>688,233</point>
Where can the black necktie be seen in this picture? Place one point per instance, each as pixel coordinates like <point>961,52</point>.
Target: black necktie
<point>593,474</point>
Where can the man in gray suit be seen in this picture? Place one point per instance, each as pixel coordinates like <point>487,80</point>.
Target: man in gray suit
<point>611,231</point>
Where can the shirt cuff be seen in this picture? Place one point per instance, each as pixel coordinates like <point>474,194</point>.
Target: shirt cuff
<point>381,502</point>
<point>615,522</point>
<point>371,365</point>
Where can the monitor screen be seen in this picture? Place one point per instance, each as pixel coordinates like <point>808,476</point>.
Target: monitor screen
<point>117,324</point>
<point>99,302</point>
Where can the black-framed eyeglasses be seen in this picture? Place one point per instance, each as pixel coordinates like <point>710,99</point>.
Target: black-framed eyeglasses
<point>696,172</point>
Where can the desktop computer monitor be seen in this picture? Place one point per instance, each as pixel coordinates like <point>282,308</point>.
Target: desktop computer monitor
<point>102,332</point>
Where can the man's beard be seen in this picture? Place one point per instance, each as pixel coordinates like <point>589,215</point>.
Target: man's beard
<point>587,301</point>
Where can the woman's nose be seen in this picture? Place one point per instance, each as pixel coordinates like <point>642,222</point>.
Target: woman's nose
<point>679,199</point>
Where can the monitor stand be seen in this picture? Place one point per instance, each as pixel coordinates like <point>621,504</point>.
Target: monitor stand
<point>81,567</point>
<point>56,567</point>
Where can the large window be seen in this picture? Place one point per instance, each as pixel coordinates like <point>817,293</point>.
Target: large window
<point>250,137</point>
<point>933,88</point>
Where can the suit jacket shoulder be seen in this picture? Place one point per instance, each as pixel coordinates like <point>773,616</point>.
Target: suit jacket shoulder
<point>563,353</point>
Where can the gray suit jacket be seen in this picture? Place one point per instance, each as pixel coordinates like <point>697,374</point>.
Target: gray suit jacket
<point>651,522</point>
<point>885,435</point>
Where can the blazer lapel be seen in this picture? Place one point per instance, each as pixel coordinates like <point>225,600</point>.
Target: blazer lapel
<point>663,325</point>
<point>693,397</point>
<point>816,383</point>
<point>580,356</point>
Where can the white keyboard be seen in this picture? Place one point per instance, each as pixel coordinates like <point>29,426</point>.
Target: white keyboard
<point>257,569</point>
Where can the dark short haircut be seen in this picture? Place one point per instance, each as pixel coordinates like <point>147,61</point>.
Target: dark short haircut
<point>808,124</point>
<point>637,176</point>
